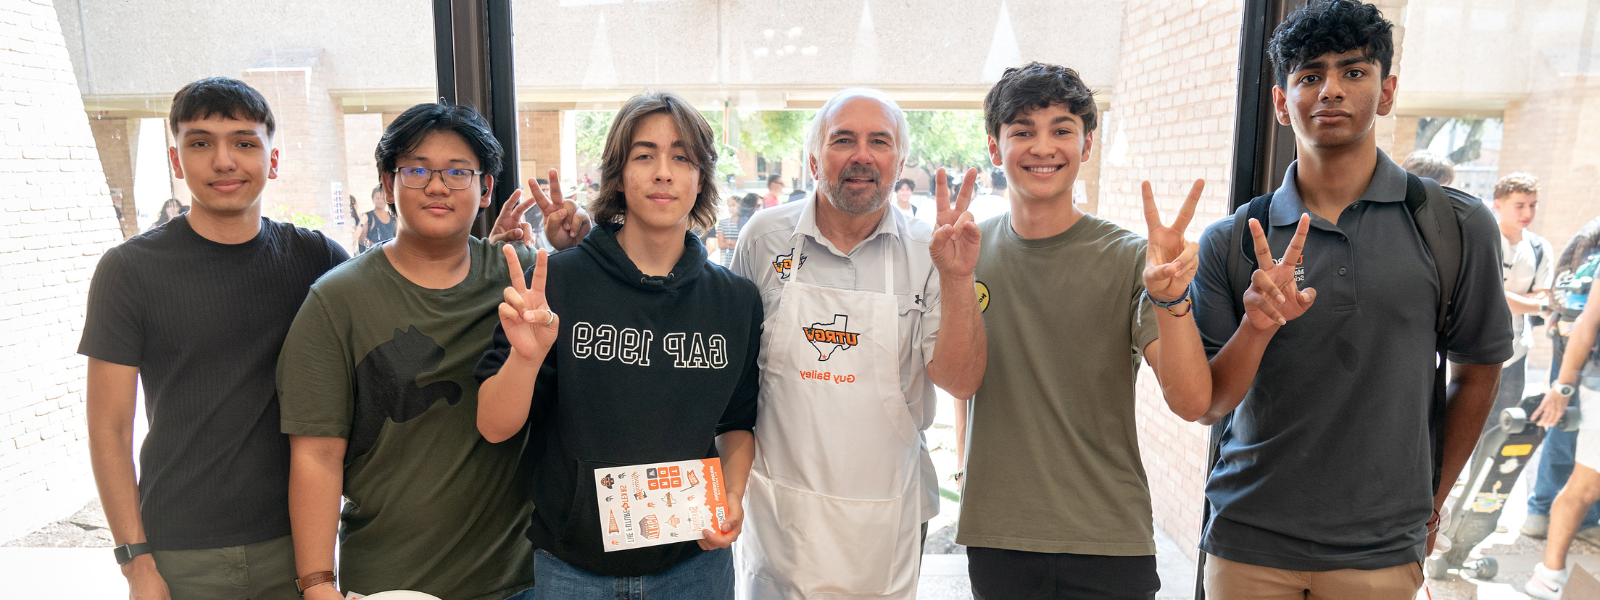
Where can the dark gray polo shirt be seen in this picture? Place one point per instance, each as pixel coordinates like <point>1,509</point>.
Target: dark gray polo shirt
<point>1327,463</point>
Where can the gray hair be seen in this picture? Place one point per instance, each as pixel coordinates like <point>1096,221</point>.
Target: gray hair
<point>817,132</point>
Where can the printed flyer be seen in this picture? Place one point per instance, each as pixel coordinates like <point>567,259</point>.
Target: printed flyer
<point>663,503</point>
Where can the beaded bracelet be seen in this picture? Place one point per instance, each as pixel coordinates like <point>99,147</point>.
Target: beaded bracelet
<point>1169,305</point>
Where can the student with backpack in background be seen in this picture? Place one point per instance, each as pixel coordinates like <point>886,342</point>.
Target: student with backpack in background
<point>1526,264</point>
<point>1343,440</point>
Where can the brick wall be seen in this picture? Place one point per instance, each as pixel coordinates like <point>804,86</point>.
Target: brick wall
<point>1555,134</point>
<point>310,137</point>
<point>539,141</point>
<point>55,221</point>
<point>1174,112</point>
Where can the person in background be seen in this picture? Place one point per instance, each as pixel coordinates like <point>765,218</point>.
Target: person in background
<point>748,205</point>
<point>1423,163</point>
<point>169,211</point>
<point>1527,264</point>
<point>535,218</point>
<point>378,226</point>
<point>903,190</point>
<point>774,188</point>
<point>727,232</point>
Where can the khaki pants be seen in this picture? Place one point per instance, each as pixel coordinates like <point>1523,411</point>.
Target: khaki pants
<point>259,571</point>
<point>1228,580</point>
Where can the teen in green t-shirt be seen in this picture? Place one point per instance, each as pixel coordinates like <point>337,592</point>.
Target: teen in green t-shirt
<point>377,390</point>
<point>1054,487</point>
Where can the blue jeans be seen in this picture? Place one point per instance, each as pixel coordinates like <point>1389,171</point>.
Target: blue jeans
<point>707,576</point>
<point>1556,464</point>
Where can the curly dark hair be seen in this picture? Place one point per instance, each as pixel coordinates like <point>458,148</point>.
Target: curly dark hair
<point>1034,86</point>
<point>1330,26</point>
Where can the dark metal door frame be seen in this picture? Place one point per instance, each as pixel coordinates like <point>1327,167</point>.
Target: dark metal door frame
<point>1262,149</point>
<point>473,59</point>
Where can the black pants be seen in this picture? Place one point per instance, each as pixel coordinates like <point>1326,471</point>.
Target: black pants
<point>1015,575</point>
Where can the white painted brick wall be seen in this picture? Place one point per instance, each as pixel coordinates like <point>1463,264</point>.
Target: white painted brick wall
<point>55,223</point>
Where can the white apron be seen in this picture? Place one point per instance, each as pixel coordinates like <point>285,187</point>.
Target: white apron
<point>832,509</point>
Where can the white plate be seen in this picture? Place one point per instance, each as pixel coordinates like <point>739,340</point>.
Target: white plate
<point>402,595</point>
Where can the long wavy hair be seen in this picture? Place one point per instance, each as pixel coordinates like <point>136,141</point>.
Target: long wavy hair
<point>610,204</point>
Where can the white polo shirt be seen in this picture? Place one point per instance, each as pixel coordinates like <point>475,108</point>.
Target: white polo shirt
<point>790,231</point>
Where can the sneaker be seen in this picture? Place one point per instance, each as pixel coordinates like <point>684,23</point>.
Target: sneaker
<point>1547,583</point>
<point>1536,526</point>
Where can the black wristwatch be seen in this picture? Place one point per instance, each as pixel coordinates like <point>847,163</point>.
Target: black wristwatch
<point>127,552</point>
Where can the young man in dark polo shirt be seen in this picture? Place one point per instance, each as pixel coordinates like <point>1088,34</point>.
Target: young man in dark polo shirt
<point>1325,479</point>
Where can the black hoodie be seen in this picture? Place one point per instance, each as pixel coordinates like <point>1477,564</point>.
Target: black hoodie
<point>645,370</point>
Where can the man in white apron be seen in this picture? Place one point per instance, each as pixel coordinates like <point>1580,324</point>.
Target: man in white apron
<point>856,336</point>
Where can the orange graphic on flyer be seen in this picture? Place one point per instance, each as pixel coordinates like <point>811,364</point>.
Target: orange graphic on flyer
<point>684,497</point>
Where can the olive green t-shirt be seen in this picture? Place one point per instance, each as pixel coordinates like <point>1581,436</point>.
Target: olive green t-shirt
<point>1052,454</point>
<point>387,365</point>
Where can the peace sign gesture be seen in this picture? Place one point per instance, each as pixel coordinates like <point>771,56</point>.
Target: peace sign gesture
<point>509,226</point>
<point>525,315</point>
<point>564,225</point>
<point>1171,259</point>
<point>1274,298</point>
<point>955,237</point>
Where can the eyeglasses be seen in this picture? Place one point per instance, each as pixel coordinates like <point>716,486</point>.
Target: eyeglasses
<point>418,177</point>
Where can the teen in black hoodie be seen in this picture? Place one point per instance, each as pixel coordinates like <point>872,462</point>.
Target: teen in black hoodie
<point>652,359</point>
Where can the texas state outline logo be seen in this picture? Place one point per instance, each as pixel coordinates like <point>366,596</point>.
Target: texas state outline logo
<point>784,264</point>
<point>831,337</point>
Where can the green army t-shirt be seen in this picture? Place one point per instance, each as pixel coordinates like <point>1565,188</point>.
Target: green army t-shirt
<point>387,365</point>
<point>1052,453</point>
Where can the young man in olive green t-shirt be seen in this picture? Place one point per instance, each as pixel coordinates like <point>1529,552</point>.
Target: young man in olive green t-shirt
<point>1055,502</point>
<point>377,389</point>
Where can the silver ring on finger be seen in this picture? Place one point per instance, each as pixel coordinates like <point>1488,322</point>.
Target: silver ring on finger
<point>550,321</point>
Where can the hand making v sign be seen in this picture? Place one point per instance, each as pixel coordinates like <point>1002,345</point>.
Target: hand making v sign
<point>564,224</point>
<point>1171,260</point>
<point>525,315</point>
<point>955,236</point>
<point>1274,298</point>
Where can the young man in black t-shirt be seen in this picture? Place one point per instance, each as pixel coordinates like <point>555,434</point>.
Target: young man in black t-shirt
<point>198,309</point>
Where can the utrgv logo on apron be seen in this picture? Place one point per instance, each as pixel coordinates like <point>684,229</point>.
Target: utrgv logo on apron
<point>832,336</point>
<point>784,264</point>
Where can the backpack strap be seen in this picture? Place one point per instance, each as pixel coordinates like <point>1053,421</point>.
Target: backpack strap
<point>1434,215</point>
<point>1538,256</point>
<point>1242,264</point>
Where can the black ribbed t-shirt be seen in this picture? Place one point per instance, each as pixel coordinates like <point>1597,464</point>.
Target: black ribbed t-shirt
<point>204,322</point>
